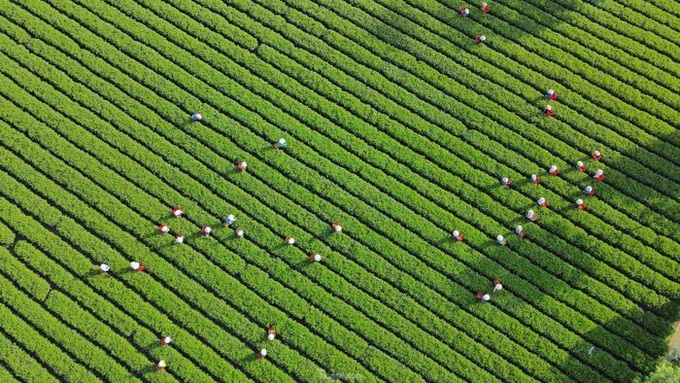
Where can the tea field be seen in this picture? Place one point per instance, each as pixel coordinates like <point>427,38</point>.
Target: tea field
<point>399,126</point>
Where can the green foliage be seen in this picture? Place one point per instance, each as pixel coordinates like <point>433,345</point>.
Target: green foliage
<point>399,127</point>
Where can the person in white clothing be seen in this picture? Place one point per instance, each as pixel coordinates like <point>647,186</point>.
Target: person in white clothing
<point>505,181</point>
<point>196,117</point>
<point>163,228</point>
<point>177,212</point>
<point>206,230</point>
<point>542,202</point>
<point>531,216</point>
<point>179,238</point>
<point>519,230</point>
<point>239,232</point>
<point>497,285</point>
<point>482,296</point>
<point>501,240</point>
<point>160,366</point>
<point>554,170</point>
<point>336,226</point>
<point>136,266</point>
<point>103,268</point>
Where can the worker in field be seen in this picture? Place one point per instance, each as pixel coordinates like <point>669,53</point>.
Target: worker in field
<point>165,340</point>
<point>599,175</point>
<point>501,240</point>
<point>271,333</point>
<point>505,181</point>
<point>160,366</point>
<point>179,238</point>
<point>482,296</point>
<point>229,220</point>
<point>596,155</point>
<point>551,95</point>
<point>103,268</point>
<point>242,166</point>
<point>554,170</point>
<point>497,285</point>
<point>580,166</point>
<point>589,191</point>
<point>458,236</point>
<point>464,12</point>
<point>196,117</point>
<point>535,179</point>
<point>163,228</point>
<point>289,240</point>
<point>262,354</point>
<point>177,212</point>
<point>580,204</point>
<point>206,230</point>
<point>280,144</point>
<point>136,266</point>
<point>485,8</point>
<point>480,39</point>
<point>239,232</point>
<point>519,230</point>
<point>314,257</point>
<point>549,111</point>
<point>542,202</point>
<point>531,216</point>
<point>335,225</point>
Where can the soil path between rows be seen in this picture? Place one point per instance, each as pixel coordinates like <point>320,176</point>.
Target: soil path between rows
<point>674,340</point>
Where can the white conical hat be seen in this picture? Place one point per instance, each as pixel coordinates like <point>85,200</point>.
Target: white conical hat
<point>519,229</point>
<point>456,233</point>
<point>500,238</point>
<point>263,352</point>
<point>579,201</point>
<point>541,201</point>
<point>134,265</point>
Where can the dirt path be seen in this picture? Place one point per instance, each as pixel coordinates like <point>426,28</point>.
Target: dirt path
<point>674,341</point>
